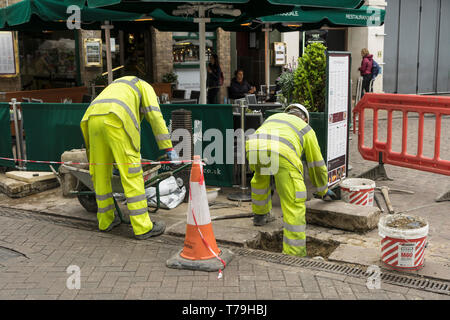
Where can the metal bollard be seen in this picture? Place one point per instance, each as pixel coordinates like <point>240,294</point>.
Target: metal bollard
<point>19,149</point>
<point>244,194</point>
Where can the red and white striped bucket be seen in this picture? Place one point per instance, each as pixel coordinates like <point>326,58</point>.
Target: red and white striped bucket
<point>402,249</point>
<point>358,191</point>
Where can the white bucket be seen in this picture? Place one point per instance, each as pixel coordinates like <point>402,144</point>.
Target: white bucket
<point>402,249</point>
<point>358,191</point>
<point>212,193</point>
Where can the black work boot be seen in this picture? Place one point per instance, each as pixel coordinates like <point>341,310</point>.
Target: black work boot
<point>115,222</point>
<point>262,219</point>
<point>158,229</point>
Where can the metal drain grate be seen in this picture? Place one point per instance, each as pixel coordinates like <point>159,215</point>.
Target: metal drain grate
<point>436,286</point>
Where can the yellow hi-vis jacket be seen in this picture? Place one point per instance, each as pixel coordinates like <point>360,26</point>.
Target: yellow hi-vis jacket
<point>291,137</point>
<point>131,99</point>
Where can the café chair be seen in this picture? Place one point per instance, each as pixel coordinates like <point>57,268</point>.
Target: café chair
<point>178,94</point>
<point>251,99</point>
<point>195,95</point>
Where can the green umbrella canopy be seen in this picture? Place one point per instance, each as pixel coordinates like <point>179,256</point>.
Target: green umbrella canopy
<point>320,3</point>
<point>52,15</point>
<point>310,3</point>
<point>36,15</point>
<point>249,8</point>
<point>301,19</point>
<point>362,17</point>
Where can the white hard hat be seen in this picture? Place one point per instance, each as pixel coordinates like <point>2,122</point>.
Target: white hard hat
<point>297,106</point>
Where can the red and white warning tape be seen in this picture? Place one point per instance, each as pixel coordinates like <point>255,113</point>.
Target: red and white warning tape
<point>91,164</point>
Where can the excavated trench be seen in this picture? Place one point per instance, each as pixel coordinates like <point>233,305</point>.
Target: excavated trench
<point>273,242</point>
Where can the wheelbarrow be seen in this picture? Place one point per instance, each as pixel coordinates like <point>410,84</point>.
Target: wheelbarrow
<point>85,187</point>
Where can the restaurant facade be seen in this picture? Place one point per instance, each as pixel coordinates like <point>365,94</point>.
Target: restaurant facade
<point>58,59</point>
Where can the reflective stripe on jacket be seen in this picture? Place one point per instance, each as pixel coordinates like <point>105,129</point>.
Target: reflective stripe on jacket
<point>291,137</point>
<point>132,100</point>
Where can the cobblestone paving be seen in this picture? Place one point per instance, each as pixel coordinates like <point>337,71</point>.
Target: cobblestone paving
<point>116,267</point>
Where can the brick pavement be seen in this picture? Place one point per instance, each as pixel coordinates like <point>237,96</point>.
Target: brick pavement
<point>115,266</point>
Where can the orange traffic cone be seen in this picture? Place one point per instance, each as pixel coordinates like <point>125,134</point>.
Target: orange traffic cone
<point>200,242</point>
<point>200,251</point>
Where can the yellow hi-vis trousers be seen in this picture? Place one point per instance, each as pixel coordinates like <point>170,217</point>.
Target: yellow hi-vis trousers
<point>109,143</point>
<point>292,191</point>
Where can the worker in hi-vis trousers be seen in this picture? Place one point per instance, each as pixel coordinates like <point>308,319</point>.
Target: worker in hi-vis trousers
<point>276,148</point>
<point>111,130</point>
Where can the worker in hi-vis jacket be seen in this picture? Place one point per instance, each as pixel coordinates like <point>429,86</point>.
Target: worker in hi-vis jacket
<point>276,148</point>
<point>111,130</point>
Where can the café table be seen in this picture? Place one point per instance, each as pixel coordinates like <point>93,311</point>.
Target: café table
<point>183,101</point>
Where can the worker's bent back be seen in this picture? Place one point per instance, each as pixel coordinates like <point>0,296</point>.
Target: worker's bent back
<point>130,99</point>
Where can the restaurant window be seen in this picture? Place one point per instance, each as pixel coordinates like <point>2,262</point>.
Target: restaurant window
<point>47,59</point>
<point>186,58</point>
<point>335,39</point>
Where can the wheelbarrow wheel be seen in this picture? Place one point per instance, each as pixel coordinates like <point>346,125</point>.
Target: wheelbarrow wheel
<point>87,201</point>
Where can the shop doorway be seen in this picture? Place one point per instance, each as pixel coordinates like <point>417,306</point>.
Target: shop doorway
<point>337,40</point>
<point>133,51</point>
<point>250,56</point>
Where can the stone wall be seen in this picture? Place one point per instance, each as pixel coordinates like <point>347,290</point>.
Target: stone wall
<point>224,53</point>
<point>163,58</point>
<point>161,54</point>
<point>88,73</point>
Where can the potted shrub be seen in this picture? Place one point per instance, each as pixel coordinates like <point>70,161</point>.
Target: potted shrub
<point>171,77</point>
<point>310,78</point>
<point>286,83</point>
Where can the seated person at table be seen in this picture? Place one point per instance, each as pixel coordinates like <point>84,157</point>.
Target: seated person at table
<point>239,87</point>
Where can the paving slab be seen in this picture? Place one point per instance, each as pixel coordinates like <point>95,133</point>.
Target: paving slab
<point>342,215</point>
<point>18,189</point>
<point>357,255</point>
<point>30,176</point>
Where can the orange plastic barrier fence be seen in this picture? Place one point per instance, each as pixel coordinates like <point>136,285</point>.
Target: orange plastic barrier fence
<point>438,106</point>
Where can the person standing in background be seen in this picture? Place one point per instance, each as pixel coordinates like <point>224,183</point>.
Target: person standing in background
<point>366,70</point>
<point>213,79</point>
